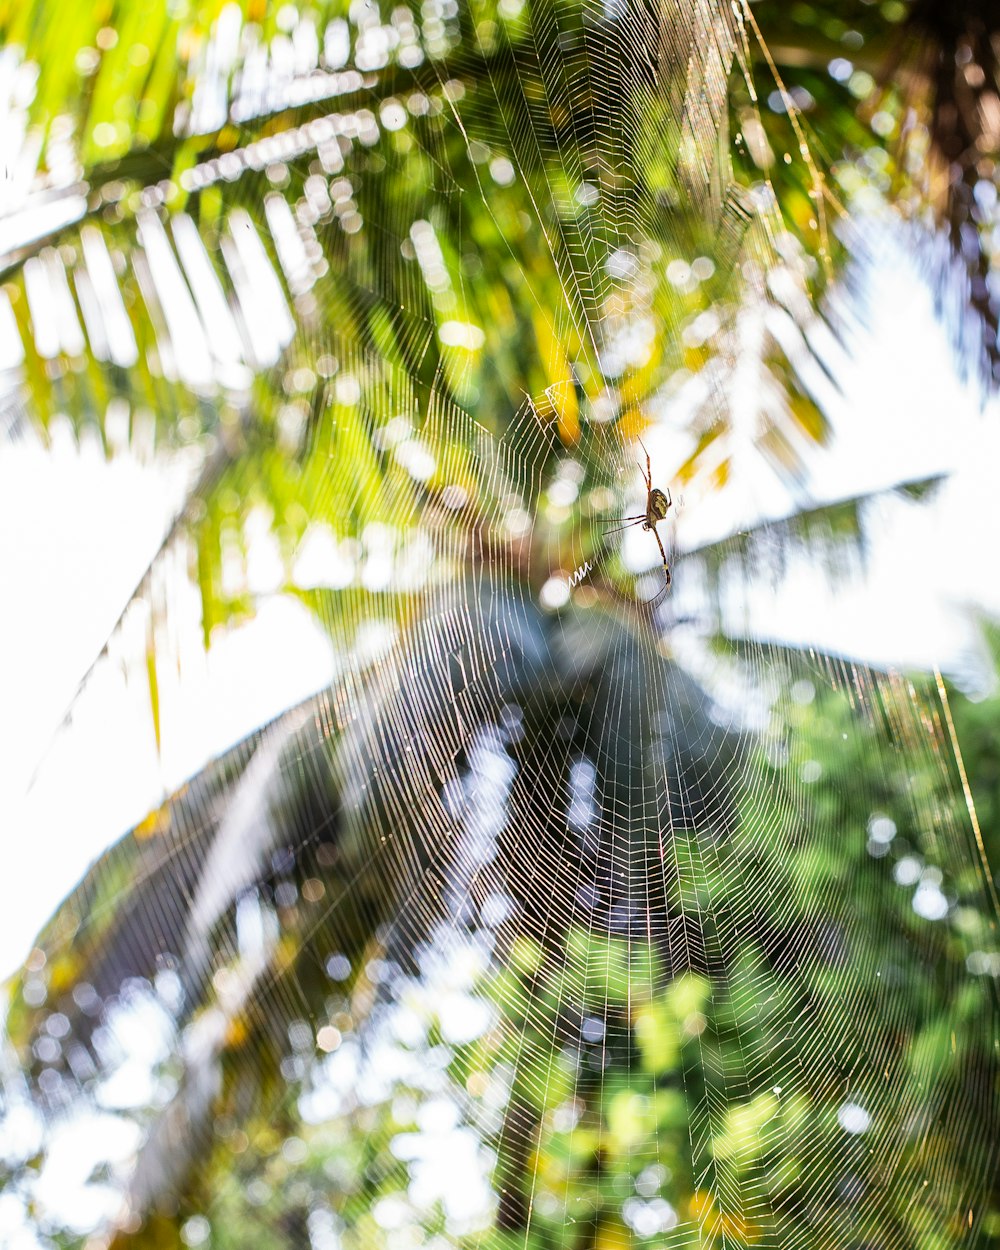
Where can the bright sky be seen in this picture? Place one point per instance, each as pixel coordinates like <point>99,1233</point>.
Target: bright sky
<point>77,533</point>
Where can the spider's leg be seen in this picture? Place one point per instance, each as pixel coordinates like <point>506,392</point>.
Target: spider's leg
<point>627,526</point>
<point>666,566</point>
<point>648,475</point>
<point>607,520</point>
<point>670,500</point>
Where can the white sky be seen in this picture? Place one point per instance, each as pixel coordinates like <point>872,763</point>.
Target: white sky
<point>76,533</point>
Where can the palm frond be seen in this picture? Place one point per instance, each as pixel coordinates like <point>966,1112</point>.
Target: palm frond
<point>300,806</point>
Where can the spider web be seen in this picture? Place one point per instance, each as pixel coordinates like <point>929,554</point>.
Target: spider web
<point>561,919</point>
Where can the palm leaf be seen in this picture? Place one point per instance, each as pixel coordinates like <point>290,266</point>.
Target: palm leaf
<point>312,798</point>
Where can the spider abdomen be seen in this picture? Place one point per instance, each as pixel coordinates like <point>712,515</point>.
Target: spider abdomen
<point>658,505</point>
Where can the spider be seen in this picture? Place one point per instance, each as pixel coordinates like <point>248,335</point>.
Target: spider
<point>657,504</point>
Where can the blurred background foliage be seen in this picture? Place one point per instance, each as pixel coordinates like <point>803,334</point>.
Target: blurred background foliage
<point>609,1086</point>
<point>416,281</point>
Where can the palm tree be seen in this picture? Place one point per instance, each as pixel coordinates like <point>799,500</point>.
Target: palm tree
<point>417,282</point>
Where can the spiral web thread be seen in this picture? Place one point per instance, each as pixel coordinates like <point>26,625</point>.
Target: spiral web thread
<point>507,785</point>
